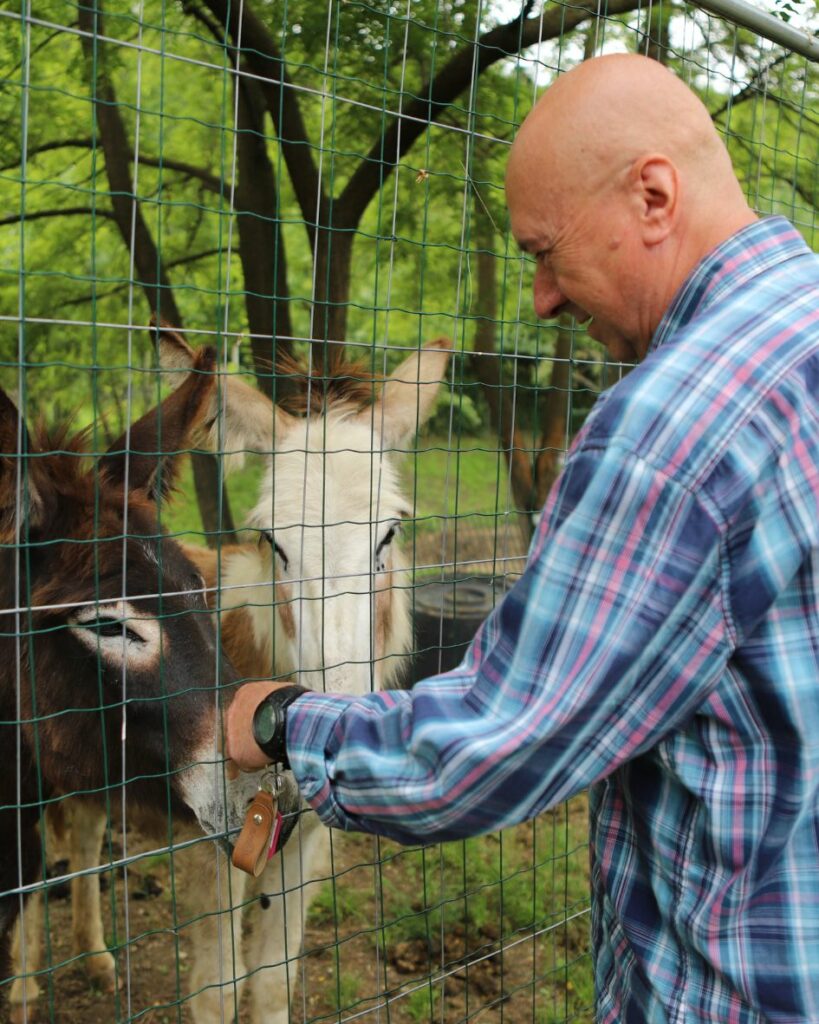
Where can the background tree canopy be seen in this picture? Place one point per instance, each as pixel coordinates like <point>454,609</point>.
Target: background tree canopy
<point>312,176</point>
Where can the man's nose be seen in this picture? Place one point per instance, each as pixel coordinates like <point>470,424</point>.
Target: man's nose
<point>548,298</point>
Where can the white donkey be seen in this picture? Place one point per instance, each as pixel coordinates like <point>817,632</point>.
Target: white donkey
<point>323,593</point>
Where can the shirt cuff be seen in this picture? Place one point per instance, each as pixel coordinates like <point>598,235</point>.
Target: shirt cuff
<point>311,720</point>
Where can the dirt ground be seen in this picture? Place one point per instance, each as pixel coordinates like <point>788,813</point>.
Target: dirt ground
<point>350,970</point>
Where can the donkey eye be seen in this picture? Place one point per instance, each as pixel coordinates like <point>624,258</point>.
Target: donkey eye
<point>112,628</point>
<point>383,544</point>
<point>102,630</point>
<point>271,540</point>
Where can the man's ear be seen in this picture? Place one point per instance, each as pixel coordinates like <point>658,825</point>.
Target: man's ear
<point>655,186</point>
<point>22,501</point>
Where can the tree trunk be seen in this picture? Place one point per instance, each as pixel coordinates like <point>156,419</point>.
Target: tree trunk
<point>331,291</point>
<point>261,243</point>
<point>554,421</point>
<point>127,214</point>
<point>486,365</point>
<point>657,29</point>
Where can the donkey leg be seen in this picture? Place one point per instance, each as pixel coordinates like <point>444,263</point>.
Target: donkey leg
<point>218,971</point>
<point>87,822</point>
<point>27,938</point>
<point>26,955</point>
<point>278,931</point>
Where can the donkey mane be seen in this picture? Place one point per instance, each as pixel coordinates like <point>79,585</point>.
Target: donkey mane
<point>60,453</point>
<point>62,474</point>
<point>65,458</point>
<point>347,386</point>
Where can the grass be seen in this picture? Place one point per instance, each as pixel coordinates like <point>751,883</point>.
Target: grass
<point>461,477</point>
<point>509,910</point>
<point>423,1004</point>
<point>181,515</point>
<point>490,886</point>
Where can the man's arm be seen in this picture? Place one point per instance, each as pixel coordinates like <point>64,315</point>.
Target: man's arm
<point>614,634</point>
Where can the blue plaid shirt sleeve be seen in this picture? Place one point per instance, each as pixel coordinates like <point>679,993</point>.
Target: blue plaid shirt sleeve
<point>615,632</point>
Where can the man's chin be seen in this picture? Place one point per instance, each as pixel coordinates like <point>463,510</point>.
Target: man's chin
<point>619,348</point>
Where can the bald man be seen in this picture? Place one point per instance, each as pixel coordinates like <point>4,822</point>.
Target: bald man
<point>662,646</point>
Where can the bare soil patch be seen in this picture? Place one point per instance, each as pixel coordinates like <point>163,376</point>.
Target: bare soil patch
<point>374,949</point>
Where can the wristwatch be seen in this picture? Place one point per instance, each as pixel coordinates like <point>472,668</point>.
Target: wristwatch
<point>270,723</point>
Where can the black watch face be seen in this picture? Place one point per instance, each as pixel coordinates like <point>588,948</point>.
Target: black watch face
<point>264,723</point>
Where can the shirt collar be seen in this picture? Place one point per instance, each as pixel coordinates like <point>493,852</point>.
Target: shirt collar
<point>733,263</point>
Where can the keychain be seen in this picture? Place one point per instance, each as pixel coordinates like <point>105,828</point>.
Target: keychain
<point>259,839</point>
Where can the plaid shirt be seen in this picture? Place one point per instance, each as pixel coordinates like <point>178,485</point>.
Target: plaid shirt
<point>662,647</point>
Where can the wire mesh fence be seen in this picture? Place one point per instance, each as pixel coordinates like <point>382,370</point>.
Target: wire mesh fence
<point>314,195</point>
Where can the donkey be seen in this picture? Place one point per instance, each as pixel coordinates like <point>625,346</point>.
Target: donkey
<point>109,662</point>
<point>323,594</point>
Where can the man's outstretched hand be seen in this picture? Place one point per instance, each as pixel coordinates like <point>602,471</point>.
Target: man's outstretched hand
<point>240,747</point>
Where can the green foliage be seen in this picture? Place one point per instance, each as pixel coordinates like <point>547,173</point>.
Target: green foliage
<point>489,886</point>
<point>458,412</point>
<point>65,265</point>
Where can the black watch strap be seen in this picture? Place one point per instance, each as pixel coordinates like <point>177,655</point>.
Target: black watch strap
<point>270,723</point>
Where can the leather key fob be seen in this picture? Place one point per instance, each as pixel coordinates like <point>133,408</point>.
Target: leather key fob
<point>259,837</point>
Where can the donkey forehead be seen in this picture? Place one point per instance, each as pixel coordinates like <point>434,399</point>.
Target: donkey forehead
<point>330,472</point>
<point>141,568</point>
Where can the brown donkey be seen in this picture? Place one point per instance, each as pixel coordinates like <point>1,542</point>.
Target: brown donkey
<point>109,663</point>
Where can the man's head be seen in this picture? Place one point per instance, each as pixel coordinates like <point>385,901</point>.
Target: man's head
<point>619,184</point>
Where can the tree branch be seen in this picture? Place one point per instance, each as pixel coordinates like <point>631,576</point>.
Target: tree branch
<point>261,54</point>
<point>495,44</point>
<point>127,214</point>
<point>749,88</point>
<point>808,198</point>
<point>182,261</point>
<point>211,181</point>
<point>45,147</point>
<point>66,211</point>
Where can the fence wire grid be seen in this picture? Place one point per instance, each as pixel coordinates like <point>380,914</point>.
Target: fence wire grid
<point>306,196</point>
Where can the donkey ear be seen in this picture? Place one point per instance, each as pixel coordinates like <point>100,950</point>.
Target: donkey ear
<point>408,397</point>
<point>19,492</point>
<point>146,457</point>
<point>241,417</point>
<point>175,354</point>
